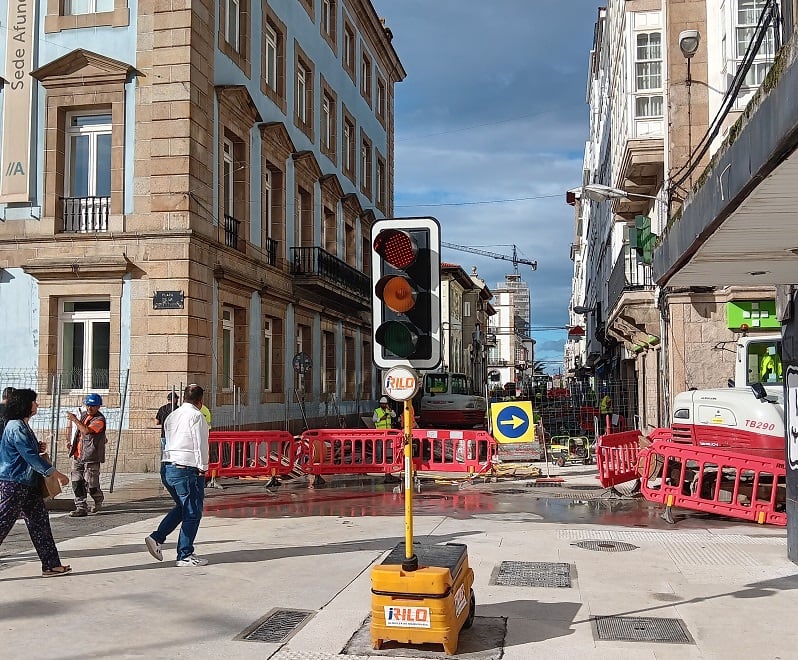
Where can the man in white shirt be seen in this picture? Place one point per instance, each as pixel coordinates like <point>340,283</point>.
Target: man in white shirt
<point>186,459</point>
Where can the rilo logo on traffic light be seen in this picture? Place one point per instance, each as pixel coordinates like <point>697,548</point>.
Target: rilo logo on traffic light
<point>406,277</point>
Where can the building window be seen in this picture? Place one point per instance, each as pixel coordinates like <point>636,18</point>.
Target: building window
<point>268,356</point>
<point>648,75</point>
<point>304,221</point>
<point>467,308</point>
<point>380,183</point>
<point>381,102</point>
<point>231,23</point>
<point>88,177</point>
<point>348,146</point>
<point>303,93</point>
<point>328,23</point>
<point>365,76</point>
<point>349,49</point>
<point>228,178</point>
<point>748,12</point>
<point>365,166</point>
<point>328,347</point>
<point>228,344</point>
<point>73,7</point>
<point>328,122</point>
<point>349,365</point>
<point>85,343</point>
<point>365,367</point>
<point>273,83</point>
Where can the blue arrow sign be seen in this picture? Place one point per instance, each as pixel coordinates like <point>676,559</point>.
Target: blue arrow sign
<point>512,422</point>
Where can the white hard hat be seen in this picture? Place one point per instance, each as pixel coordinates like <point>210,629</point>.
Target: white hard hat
<point>384,399</point>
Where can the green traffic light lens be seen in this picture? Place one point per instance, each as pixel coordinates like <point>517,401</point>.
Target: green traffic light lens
<point>397,338</point>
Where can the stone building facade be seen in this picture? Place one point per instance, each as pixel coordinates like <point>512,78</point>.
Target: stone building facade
<point>196,204</point>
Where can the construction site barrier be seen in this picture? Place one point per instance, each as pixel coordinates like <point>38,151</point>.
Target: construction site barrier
<point>715,481</point>
<point>616,457</point>
<point>251,453</point>
<point>351,451</point>
<point>444,450</point>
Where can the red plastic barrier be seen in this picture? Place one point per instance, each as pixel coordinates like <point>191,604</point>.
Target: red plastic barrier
<point>251,453</point>
<point>722,482</point>
<point>445,450</point>
<point>616,457</point>
<point>351,451</point>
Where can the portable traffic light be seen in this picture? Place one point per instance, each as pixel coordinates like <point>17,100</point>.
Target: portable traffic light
<point>406,278</point>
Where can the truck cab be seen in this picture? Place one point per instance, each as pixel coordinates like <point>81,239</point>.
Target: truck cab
<point>448,400</point>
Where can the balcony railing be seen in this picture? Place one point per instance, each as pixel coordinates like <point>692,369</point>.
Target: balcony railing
<point>271,252</point>
<point>86,214</point>
<point>628,274</point>
<point>315,262</point>
<point>231,226</point>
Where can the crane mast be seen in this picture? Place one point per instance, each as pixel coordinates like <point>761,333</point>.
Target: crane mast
<point>515,259</point>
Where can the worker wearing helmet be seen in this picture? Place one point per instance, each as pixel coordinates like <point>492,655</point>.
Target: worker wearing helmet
<point>383,416</point>
<point>770,367</point>
<point>87,449</point>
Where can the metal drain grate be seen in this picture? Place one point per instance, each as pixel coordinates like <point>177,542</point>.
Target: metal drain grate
<point>605,546</point>
<point>532,574</point>
<point>641,629</point>
<point>276,627</point>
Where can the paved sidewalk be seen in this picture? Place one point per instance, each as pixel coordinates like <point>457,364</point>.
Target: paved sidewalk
<point>731,587</point>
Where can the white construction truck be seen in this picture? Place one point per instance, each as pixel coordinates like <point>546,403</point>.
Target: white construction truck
<point>748,415</point>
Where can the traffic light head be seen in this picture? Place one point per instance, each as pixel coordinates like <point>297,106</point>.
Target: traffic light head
<point>406,295</point>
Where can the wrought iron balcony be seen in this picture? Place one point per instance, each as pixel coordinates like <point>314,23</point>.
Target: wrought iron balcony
<point>327,275</point>
<point>628,274</point>
<point>86,215</point>
<point>231,227</point>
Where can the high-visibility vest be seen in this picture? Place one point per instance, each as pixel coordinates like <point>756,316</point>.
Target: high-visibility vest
<point>382,419</point>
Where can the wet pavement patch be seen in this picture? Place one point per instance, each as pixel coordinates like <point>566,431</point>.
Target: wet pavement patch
<point>532,574</point>
<point>641,629</point>
<point>276,627</point>
<point>483,641</point>
<point>605,546</point>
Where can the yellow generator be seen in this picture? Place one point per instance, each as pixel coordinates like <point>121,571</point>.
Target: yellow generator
<point>431,604</point>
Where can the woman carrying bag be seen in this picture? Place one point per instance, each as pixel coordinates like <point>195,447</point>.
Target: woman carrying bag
<point>21,473</point>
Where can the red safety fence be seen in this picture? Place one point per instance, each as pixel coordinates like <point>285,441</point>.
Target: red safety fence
<point>251,453</point>
<point>616,457</point>
<point>351,451</point>
<point>716,481</point>
<point>444,450</point>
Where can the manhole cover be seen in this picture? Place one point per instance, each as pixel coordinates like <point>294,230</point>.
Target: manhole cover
<point>605,546</point>
<point>276,627</point>
<point>532,574</point>
<point>641,629</point>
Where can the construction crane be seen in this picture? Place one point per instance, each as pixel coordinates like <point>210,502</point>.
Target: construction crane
<point>495,255</point>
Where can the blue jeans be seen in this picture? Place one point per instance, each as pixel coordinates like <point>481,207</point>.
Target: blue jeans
<point>187,488</point>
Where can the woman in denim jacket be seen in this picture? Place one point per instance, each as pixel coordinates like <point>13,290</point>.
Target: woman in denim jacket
<point>21,471</point>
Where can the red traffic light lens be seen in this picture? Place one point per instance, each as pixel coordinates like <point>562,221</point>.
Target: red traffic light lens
<point>397,247</point>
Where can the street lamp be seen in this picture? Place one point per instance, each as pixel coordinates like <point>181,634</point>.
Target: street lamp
<point>598,192</point>
<point>579,309</point>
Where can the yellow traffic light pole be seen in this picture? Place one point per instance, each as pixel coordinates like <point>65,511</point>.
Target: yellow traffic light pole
<point>411,561</point>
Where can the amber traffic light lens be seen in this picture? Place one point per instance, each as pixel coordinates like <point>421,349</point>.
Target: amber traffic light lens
<point>397,293</point>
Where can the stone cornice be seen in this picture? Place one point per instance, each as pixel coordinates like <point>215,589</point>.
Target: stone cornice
<point>82,67</point>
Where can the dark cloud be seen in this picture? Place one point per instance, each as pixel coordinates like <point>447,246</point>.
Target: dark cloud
<point>493,108</point>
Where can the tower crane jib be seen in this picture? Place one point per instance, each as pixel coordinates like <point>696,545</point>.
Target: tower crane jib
<point>515,259</point>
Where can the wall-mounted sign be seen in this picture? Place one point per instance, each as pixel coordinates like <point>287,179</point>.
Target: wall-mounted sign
<point>302,362</point>
<point>754,314</point>
<point>17,102</point>
<point>168,300</point>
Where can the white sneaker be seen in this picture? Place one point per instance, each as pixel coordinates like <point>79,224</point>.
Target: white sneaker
<point>154,548</point>
<point>192,560</point>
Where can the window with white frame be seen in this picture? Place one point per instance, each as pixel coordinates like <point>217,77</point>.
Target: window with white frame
<point>228,344</point>
<point>648,75</point>
<point>747,17</point>
<point>268,358</point>
<point>301,93</point>
<point>270,51</point>
<point>328,348</point>
<point>267,197</point>
<point>85,343</point>
<point>231,23</point>
<point>326,123</point>
<point>228,177</point>
<point>74,7</point>
<point>88,172</point>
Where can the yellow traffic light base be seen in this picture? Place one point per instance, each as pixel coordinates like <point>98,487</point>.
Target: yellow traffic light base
<point>429,604</point>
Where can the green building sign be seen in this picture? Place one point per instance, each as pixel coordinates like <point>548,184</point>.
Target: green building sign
<point>755,314</point>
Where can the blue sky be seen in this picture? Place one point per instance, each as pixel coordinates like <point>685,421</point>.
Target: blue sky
<point>491,123</point>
